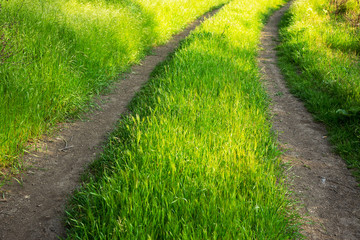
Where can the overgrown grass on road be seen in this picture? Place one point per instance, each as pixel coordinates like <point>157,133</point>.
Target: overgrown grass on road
<point>322,40</point>
<point>196,159</point>
<point>58,54</point>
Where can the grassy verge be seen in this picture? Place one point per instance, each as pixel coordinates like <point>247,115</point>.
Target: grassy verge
<point>321,39</point>
<point>196,159</point>
<point>57,54</point>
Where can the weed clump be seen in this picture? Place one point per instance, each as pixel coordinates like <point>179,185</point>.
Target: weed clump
<point>348,10</point>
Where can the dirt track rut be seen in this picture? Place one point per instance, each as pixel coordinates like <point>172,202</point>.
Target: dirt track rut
<point>320,178</point>
<point>35,209</point>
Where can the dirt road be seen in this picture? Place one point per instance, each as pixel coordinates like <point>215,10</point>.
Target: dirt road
<point>35,209</point>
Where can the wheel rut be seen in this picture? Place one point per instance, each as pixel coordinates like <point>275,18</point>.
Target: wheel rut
<point>319,179</point>
<point>35,208</point>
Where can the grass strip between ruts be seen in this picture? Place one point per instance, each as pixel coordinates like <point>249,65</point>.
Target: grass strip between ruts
<point>196,159</point>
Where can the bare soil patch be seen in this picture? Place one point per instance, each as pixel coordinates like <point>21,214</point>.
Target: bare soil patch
<point>320,180</point>
<point>35,209</point>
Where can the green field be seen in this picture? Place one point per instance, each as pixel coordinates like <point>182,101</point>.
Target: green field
<point>56,55</point>
<point>321,41</point>
<point>196,158</point>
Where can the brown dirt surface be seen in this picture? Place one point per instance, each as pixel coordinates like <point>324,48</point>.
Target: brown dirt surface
<point>34,209</point>
<point>319,178</point>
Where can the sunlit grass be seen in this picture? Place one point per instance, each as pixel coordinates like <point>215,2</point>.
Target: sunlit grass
<point>196,159</point>
<point>67,51</point>
<point>322,41</point>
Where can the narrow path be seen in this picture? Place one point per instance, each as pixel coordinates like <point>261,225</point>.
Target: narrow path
<point>35,209</point>
<point>320,179</point>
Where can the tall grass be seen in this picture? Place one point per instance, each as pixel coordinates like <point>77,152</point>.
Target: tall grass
<point>196,159</point>
<point>67,51</point>
<point>322,40</point>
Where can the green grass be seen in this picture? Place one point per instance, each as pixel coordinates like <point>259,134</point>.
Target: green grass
<point>63,52</point>
<point>196,159</point>
<point>322,41</point>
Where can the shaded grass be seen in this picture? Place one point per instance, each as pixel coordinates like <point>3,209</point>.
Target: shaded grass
<point>68,51</point>
<point>323,44</point>
<point>196,159</point>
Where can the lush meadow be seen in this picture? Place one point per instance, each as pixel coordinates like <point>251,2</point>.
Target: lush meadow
<point>196,158</point>
<point>320,56</point>
<point>56,55</point>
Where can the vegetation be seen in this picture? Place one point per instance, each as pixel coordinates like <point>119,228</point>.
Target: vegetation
<point>196,158</point>
<point>321,39</point>
<point>57,54</point>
